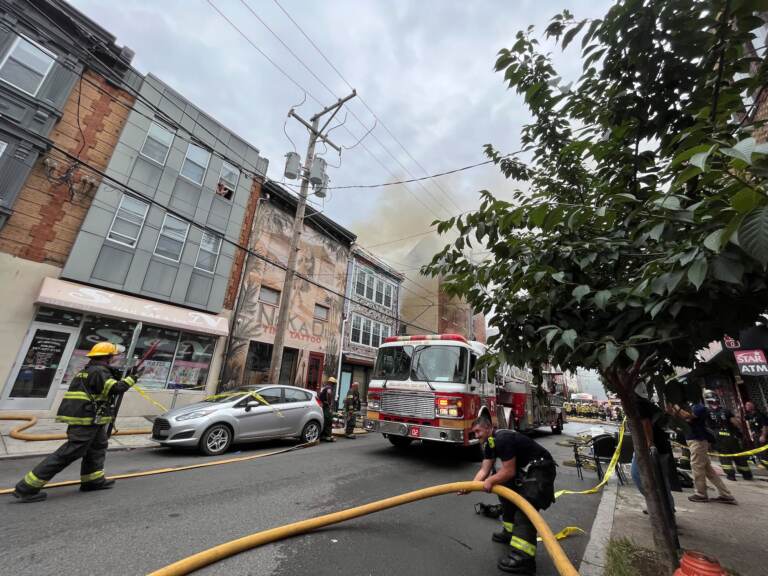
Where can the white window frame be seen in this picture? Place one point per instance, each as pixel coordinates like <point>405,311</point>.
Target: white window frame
<point>374,279</point>
<point>167,152</point>
<point>160,235</point>
<point>53,57</point>
<point>360,320</point>
<point>141,227</point>
<point>3,146</point>
<point>205,168</point>
<point>217,253</point>
<point>226,164</point>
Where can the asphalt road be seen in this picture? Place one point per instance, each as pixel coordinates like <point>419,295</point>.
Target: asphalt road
<point>146,523</point>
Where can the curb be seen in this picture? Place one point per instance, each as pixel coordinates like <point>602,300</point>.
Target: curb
<point>39,454</point>
<point>593,560</point>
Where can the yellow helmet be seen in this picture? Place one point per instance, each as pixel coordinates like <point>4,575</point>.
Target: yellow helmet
<point>332,380</point>
<point>105,349</point>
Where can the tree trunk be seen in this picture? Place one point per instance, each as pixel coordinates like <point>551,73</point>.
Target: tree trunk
<point>663,532</point>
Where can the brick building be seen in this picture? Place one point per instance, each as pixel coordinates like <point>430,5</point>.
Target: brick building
<point>149,249</point>
<point>47,86</point>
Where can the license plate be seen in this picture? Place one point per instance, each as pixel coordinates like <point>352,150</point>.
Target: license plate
<point>414,431</point>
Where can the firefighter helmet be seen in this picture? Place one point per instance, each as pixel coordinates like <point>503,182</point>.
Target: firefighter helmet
<point>105,349</point>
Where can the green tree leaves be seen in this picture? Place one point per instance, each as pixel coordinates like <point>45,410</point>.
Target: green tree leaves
<point>753,235</point>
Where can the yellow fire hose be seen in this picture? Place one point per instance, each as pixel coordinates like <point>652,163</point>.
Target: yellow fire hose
<point>222,551</point>
<point>19,434</point>
<point>174,469</point>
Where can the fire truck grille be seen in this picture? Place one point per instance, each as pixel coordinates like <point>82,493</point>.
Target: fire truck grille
<point>408,405</point>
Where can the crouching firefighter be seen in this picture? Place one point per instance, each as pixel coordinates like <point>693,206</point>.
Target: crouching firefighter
<point>528,469</point>
<point>88,408</point>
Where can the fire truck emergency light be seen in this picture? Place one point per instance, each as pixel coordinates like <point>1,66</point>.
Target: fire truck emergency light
<point>454,337</point>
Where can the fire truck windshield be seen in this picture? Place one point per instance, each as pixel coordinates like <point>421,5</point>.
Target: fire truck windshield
<point>422,363</point>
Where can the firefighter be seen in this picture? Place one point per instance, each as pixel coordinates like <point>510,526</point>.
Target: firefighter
<point>351,408</point>
<point>758,425</point>
<point>326,398</point>
<point>728,431</point>
<point>87,408</point>
<point>527,468</point>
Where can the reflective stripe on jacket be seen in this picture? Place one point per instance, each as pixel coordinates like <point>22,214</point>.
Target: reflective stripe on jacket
<point>93,386</point>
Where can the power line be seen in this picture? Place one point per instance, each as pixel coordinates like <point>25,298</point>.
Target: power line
<point>207,229</point>
<point>297,84</point>
<point>362,100</point>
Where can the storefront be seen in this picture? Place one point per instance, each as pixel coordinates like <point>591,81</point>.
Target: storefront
<point>181,347</point>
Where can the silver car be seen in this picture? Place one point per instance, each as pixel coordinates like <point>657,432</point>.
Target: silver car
<point>240,416</point>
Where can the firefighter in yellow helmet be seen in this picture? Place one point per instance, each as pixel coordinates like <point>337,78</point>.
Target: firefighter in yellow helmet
<point>87,408</point>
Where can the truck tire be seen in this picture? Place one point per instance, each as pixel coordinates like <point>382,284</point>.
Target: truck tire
<point>558,427</point>
<point>400,441</point>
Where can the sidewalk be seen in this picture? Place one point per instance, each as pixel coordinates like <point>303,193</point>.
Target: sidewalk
<point>735,535</point>
<point>12,448</point>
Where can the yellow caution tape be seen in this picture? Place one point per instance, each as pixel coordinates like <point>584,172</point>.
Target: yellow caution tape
<point>736,455</point>
<point>148,398</point>
<point>565,532</point>
<point>608,473</point>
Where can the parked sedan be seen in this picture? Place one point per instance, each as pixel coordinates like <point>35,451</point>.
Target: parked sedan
<point>240,416</point>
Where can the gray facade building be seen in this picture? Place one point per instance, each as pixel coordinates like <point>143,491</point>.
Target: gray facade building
<point>373,310</point>
<point>144,244</point>
<point>44,46</point>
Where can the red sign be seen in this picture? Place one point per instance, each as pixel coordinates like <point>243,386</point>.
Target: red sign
<point>731,343</point>
<point>751,362</point>
<point>414,431</point>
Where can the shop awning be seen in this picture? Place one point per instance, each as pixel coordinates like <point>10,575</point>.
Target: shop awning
<point>358,359</point>
<point>73,296</point>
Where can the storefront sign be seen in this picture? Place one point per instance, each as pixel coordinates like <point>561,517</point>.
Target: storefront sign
<point>73,296</point>
<point>751,362</point>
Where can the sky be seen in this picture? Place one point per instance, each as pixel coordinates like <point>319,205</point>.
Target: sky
<point>425,68</point>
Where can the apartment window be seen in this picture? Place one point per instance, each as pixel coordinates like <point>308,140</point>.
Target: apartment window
<point>128,221</point>
<point>173,234</point>
<point>208,254</point>
<point>321,312</point>
<point>3,146</point>
<point>368,332</point>
<point>26,65</point>
<point>369,281</point>
<point>388,296</point>
<point>195,163</point>
<point>269,296</point>
<point>356,327</point>
<point>228,179</point>
<point>379,292</point>
<point>157,144</point>
<point>360,283</point>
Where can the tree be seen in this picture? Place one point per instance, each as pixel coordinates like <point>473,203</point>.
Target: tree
<point>641,233</point>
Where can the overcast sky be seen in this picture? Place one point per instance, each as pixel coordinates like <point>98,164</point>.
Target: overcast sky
<point>423,66</point>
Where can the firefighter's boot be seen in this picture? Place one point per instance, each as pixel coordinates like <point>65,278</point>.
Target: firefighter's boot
<point>517,563</point>
<point>503,536</point>
<point>93,486</point>
<point>29,497</point>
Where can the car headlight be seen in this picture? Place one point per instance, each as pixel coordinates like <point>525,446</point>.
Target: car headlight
<point>195,414</point>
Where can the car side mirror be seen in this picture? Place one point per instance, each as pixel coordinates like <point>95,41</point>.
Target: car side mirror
<point>251,404</point>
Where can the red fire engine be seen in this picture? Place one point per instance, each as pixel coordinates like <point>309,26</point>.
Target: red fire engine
<point>528,406</point>
<point>428,388</point>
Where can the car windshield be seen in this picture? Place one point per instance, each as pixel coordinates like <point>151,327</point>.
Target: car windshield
<point>440,364</point>
<point>226,397</point>
<point>393,363</point>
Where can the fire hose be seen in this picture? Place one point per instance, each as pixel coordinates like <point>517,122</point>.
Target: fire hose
<point>206,557</point>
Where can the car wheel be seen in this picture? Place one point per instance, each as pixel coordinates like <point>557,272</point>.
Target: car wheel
<point>400,441</point>
<point>216,440</point>
<point>311,432</point>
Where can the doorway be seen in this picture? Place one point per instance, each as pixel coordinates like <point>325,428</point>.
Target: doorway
<point>315,370</point>
<point>39,367</point>
<point>288,367</point>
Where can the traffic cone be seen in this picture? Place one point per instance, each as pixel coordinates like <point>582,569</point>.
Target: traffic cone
<point>698,564</point>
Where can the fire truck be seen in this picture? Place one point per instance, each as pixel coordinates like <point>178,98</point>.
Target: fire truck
<point>429,388</point>
<point>528,406</point>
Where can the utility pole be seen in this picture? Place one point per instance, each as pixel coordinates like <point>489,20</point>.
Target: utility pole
<point>315,133</point>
